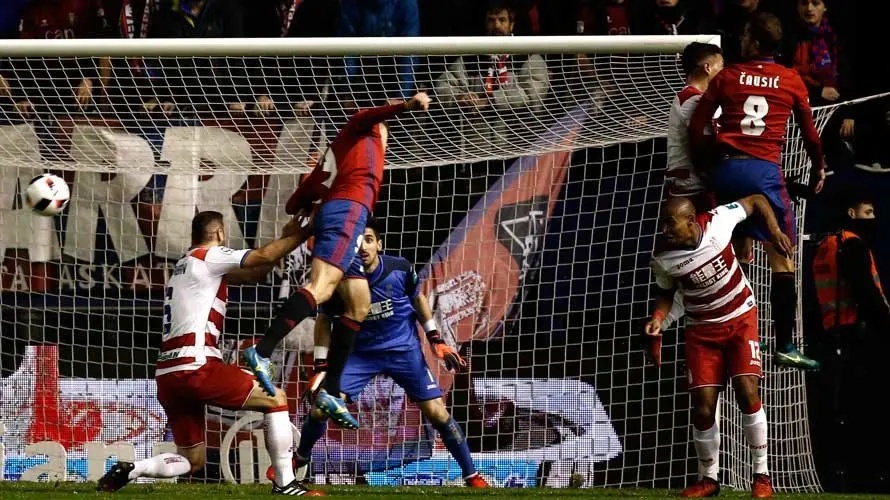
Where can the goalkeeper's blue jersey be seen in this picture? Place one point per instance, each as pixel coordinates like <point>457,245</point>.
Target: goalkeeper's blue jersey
<point>391,325</point>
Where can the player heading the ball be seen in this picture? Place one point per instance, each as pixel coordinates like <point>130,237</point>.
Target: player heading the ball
<point>190,372</point>
<point>346,181</point>
<point>695,257</point>
<point>756,98</point>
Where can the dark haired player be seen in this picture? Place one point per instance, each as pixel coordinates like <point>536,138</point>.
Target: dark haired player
<point>757,97</point>
<point>387,343</point>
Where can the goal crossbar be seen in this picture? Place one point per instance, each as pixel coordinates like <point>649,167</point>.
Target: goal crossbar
<point>353,46</point>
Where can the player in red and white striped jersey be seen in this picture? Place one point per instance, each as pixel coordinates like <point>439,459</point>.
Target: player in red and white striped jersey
<point>696,257</point>
<point>190,371</point>
<point>701,62</point>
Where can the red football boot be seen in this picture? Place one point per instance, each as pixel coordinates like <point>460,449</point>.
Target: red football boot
<point>707,487</point>
<point>762,487</point>
<point>476,481</point>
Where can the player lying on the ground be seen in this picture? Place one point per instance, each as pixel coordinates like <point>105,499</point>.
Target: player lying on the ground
<point>190,372</point>
<point>387,344</point>
<point>346,180</point>
<point>696,257</point>
<point>701,63</point>
<point>757,97</point>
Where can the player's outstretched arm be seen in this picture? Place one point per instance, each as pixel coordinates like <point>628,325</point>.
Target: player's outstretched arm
<point>292,236</point>
<point>443,351</point>
<point>367,118</point>
<point>758,205</point>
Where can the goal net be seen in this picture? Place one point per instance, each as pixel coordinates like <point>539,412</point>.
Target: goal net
<point>527,198</point>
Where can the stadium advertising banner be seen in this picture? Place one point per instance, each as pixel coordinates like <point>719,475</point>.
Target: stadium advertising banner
<point>67,412</point>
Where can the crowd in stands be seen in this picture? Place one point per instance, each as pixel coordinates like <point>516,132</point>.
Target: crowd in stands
<point>820,42</point>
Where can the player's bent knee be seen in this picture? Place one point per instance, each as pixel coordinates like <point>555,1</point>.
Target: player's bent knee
<point>434,411</point>
<point>322,292</point>
<point>358,312</point>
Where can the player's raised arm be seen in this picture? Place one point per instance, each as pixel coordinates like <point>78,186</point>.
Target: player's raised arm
<point>809,133</point>
<point>366,118</point>
<point>758,205</point>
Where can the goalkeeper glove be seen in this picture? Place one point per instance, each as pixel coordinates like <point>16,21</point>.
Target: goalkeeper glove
<point>445,352</point>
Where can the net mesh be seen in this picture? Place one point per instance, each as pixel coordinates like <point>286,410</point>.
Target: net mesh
<point>530,218</point>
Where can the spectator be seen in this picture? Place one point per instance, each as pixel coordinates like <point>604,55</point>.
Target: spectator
<point>731,22</point>
<point>59,83</point>
<point>499,93</point>
<point>610,17</point>
<point>292,83</point>
<point>370,79</point>
<point>10,14</point>
<point>813,49</point>
<point>501,81</point>
<point>678,17</point>
<point>201,85</point>
<point>856,318</point>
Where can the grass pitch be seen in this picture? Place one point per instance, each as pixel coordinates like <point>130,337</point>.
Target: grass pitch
<point>83,491</point>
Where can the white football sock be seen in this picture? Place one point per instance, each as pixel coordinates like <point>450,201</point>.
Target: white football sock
<point>280,445</point>
<point>755,428</point>
<point>707,447</point>
<point>165,465</point>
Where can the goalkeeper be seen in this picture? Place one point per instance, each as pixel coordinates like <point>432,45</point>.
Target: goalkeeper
<point>388,344</point>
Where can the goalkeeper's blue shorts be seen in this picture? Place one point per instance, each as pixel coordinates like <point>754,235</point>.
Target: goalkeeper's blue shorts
<point>408,369</point>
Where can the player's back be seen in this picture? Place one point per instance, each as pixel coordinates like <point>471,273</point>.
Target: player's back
<point>756,98</point>
<point>195,308</point>
<point>680,176</point>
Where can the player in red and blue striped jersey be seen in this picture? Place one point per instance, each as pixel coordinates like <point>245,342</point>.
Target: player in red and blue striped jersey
<point>346,181</point>
<point>757,97</point>
<point>388,344</point>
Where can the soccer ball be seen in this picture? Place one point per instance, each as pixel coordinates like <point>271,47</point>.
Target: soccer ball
<point>47,194</point>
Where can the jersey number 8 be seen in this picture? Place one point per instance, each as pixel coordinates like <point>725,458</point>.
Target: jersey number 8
<point>756,109</point>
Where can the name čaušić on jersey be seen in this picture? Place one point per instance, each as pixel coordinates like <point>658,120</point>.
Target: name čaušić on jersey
<point>391,322</point>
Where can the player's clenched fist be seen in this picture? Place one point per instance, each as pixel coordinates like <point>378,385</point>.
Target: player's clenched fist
<point>653,339</point>
<point>420,101</point>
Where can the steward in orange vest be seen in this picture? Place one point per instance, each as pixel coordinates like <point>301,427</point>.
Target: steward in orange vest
<point>842,397</point>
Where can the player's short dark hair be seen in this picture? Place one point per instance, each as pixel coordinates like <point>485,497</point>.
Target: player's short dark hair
<point>696,53</point>
<point>766,30</point>
<point>201,222</point>
<point>374,224</point>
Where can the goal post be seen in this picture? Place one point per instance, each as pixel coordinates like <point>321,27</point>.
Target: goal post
<point>529,211</point>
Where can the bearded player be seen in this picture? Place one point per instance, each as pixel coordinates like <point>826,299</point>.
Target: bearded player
<point>701,62</point>
<point>695,257</point>
<point>346,181</point>
<point>757,97</point>
<point>388,344</point>
<point>190,372</point>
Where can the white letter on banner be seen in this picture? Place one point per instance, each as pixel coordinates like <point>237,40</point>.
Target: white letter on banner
<point>98,454</point>
<point>185,148</point>
<point>56,467</point>
<point>133,160</point>
<point>292,154</point>
<point>20,162</point>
